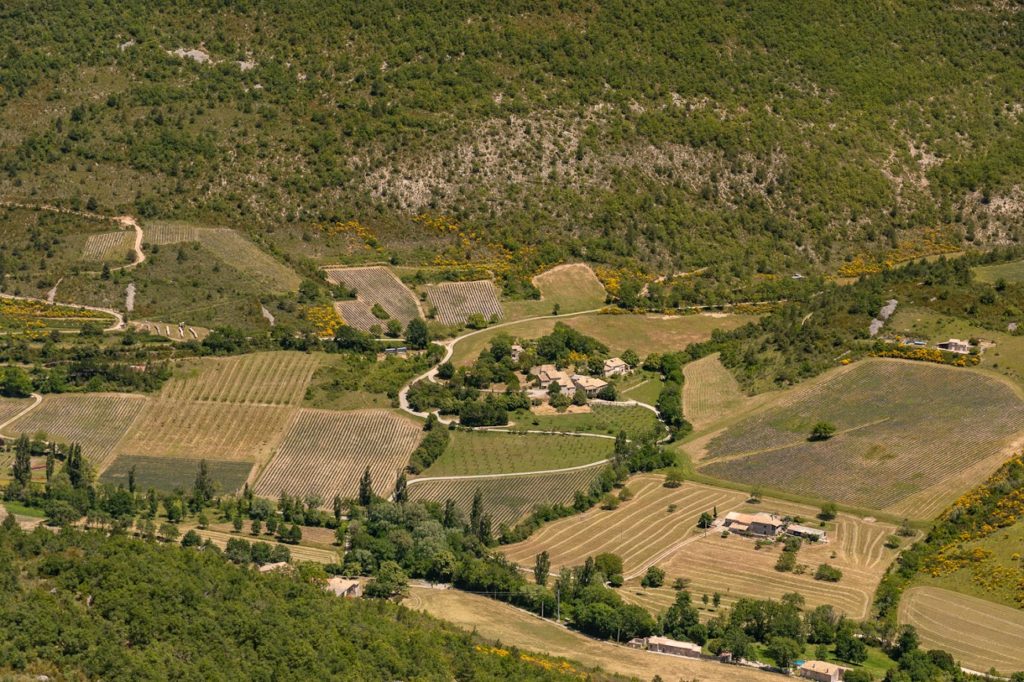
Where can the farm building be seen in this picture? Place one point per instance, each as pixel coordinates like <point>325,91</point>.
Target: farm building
<point>958,346</point>
<point>664,645</point>
<point>760,524</point>
<point>614,367</point>
<point>821,671</point>
<point>806,532</point>
<point>342,587</point>
<point>549,374</point>
<point>589,385</point>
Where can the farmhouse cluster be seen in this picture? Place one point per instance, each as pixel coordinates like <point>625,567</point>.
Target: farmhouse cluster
<point>549,374</point>
<point>767,525</point>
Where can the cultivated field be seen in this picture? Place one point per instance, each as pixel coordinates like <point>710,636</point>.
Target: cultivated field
<point>274,378</point>
<point>243,255</point>
<point>510,626</point>
<point>325,453</point>
<point>573,287</point>
<point>357,314</point>
<point>456,301</point>
<point>189,429</point>
<point>378,285</point>
<point>470,453</point>
<point>710,392</point>
<point>506,498</point>
<point>166,474</point>
<point>733,567</point>
<point>9,407</point>
<point>979,633</point>
<point>108,246</point>
<point>601,419</point>
<point>169,233</point>
<point>927,431</point>
<point>641,531</point>
<point>95,420</point>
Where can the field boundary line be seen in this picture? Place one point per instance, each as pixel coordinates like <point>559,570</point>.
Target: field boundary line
<point>579,467</point>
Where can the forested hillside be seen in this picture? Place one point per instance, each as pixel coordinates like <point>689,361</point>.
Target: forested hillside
<point>84,605</point>
<point>761,137</point>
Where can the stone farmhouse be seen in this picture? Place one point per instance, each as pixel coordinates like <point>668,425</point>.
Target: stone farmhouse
<point>761,524</point>
<point>589,385</point>
<point>614,367</point>
<point>547,374</point>
<point>821,671</point>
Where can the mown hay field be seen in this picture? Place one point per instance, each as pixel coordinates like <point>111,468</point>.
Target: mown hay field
<point>273,378</point>
<point>979,633</point>
<point>378,285</point>
<point>471,453</point>
<point>573,287</point>
<point>189,429</point>
<point>166,474</point>
<point>733,567</point>
<point>325,453</point>
<point>456,301</point>
<point>602,419</point>
<point>97,421</point>
<point>109,246</point>
<point>357,314</point>
<point>911,437</point>
<point>641,531</point>
<point>507,499</point>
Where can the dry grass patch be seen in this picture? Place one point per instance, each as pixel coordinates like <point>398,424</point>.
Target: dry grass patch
<point>979,633</point>
<point>456,301</point>
<point>573,286</point>
<point>273,378</point>
<point>191,429</point>
<point>325,453</point>
<point>95,420</point>
<point>641,531</point>
<point>507,499</point>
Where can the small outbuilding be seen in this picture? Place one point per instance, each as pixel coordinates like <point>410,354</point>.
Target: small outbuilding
<point>806,532</point>
<point>958,346</point>
<point>664,645</point>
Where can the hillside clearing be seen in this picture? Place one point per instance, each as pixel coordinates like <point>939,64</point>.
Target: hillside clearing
<point>629,530</point>
<point>917,427</point>
<point>482,452</point>
<point>456,301</point>
<point>981,634</point>
<point>507,499</point>
<point>572,286</point>
<point>378,286</point>
<point>97,421</point>
<point>273,378</point>
<point>325,453</point>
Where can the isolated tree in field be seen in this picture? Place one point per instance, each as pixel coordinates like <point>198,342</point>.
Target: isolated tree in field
<point>256,528</point>
<point>203,521</point>
<point>823,431</point>
<point>705,521</point>
<point>16,384</point>
<point>21,470</point>
<point>401,488</point>
<point>655,577</point>
<point>366,488</point>
<point>541,568</point>
<point>237,523</point>
<point>674,478</point>
<point>416,334</point>
<point>828,511</point>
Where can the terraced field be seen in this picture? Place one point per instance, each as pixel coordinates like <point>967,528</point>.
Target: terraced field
<point>507,499</point>
<point>602,419</point>
<point>189,429</point>
<point>641,530</point>
<point>243,255</point>
<point>979,633</point>
<point>928,431</point>
<point>274,378</point>
<point>733,567</point>
<point>108,246</point>
<point>456,301</point>
<point>325,453</point>
<point>95,420</point>
<point>471,453</point>
<point>378,285</point>
<point>710,392</point>
<point>165,474</point>
<point>357,314</point>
